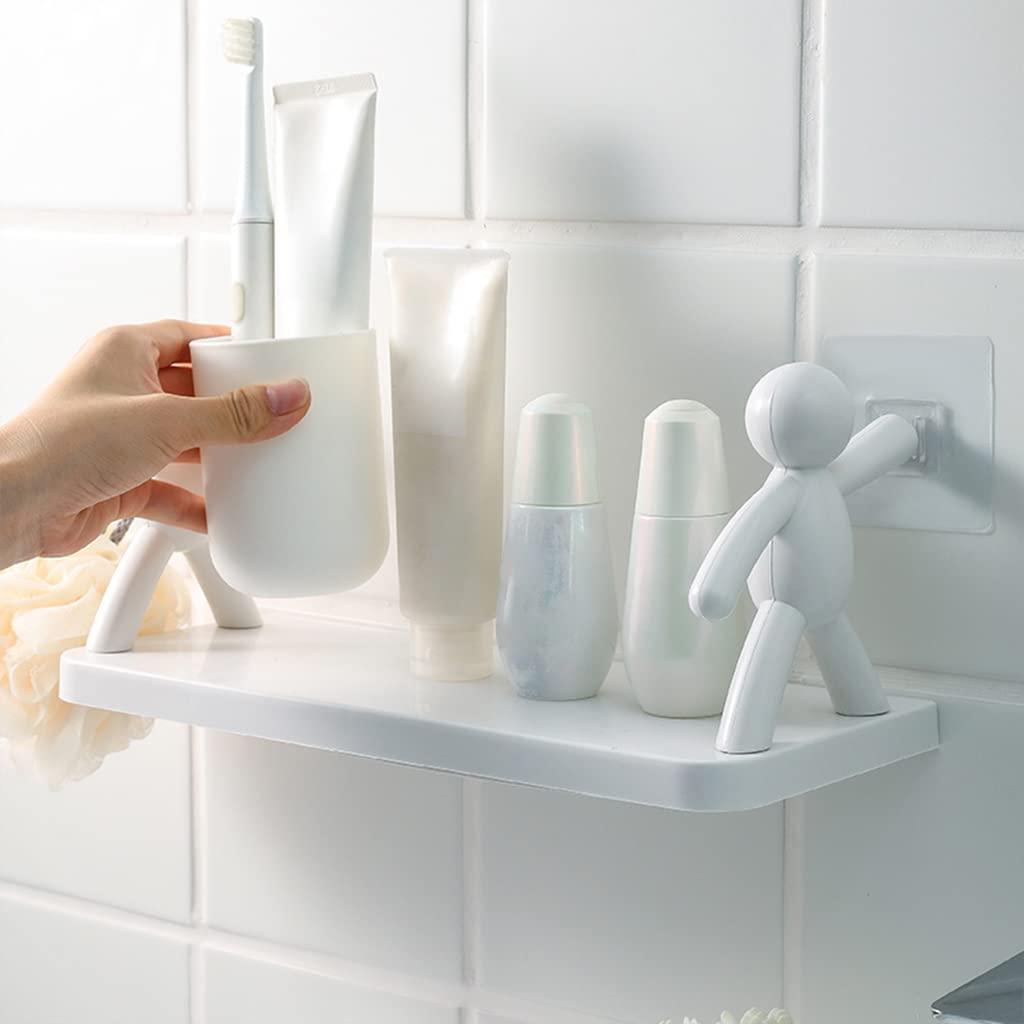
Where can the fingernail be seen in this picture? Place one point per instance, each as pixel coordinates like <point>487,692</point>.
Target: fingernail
<point>287,396</point>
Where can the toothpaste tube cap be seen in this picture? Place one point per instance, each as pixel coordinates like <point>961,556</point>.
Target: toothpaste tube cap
<point>453,654</point>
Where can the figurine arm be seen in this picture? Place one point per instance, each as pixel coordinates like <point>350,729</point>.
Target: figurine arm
<point>720,579</point>
<point>882,445</point>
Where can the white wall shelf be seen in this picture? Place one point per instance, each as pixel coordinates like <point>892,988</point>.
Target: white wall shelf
<point>345,687</point>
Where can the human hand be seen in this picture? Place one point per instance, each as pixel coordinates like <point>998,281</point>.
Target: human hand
<point>84,453</point>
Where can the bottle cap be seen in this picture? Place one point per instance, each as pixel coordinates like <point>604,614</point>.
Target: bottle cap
<point>453,655</point>
<point>682,464</point>
<point>556,456</point>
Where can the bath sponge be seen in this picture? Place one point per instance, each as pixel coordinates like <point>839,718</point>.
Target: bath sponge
<point>753,1016</point>
<point>46,607</point>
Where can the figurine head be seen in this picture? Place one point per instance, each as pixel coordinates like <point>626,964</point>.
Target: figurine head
<point>799,416</point>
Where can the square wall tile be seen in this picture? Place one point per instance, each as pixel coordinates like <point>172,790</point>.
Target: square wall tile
<point>417,52</point>
<point>921,124</point>
<point>95,110</point>
<point>626,329</point>
<point>259,992</point>
<point>629,912</point>
<point>58,289</point>
<point>643,110</point>
<point>121,836</point>
<point>912,875</point>
<point>57,967</point>
<point>939,601</point>
<point>349,856</point>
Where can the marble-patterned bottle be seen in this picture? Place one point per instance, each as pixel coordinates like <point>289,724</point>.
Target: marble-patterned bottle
<point>557,611</point>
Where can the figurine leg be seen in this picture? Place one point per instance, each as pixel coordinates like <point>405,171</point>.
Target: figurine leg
<point>752,707</point>
<point>851,679</point>
<point>128,594</point>
<point>231,608</point>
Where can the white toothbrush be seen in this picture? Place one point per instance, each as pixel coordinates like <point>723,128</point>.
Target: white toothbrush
<point>252,227</point>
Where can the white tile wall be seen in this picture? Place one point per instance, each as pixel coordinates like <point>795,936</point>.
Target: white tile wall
<point>256,992</point>
<point>56,289</point>
<point>926,621</point>
<point>349,856</point>
<point>108,838</point>
<point>635,110</point>
<point>417,52</point>
<point>627,912</point>
<point>921,123</point>
<point>58,967</point>
<point>94,110</point>
<point>912,876</point>
<point>321,888</point>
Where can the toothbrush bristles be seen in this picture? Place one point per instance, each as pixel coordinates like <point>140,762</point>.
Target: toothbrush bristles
<point>241,40</point>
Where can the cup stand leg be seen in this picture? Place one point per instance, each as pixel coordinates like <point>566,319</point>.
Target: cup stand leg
<point>124,604</point>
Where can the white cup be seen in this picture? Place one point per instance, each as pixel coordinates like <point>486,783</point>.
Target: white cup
<point>304,513</point>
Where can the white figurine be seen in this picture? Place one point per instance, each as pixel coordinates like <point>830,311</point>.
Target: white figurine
<point>793,539</point>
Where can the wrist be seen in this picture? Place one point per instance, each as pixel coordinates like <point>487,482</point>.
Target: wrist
<point>20,500</point>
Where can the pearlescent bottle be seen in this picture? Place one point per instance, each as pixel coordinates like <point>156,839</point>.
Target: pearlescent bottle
<point>557,613</point>
<point>680,665</point>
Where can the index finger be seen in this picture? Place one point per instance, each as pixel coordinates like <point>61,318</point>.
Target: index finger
<point>171,337</point>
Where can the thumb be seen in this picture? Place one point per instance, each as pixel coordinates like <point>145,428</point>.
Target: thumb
<point>257,412</point>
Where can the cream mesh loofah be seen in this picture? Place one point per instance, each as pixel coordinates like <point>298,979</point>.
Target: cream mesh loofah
<point>753,1016</point>
<point>47,606</point>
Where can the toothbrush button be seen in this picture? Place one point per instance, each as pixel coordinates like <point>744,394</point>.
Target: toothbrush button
<point>237,302</point>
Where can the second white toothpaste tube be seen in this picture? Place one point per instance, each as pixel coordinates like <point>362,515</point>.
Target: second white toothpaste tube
<point>448,408</point>
<point>324,176</point>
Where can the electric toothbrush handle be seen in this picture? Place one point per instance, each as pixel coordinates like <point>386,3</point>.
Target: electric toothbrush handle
<point>252,279</point>
<point>130,590</point>
<point>231,608</point>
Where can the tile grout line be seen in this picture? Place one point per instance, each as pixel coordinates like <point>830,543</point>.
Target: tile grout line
<point>196,994</point>
<point>191,13</point>
<point>196,983</point>
<point>794,833</point>
<point>811,72</point>
<point>727,238</point>
<point>454,996</point>
<point>803,327</point>
<point>92,910</point>
<point>474,96</point>
<point>811,101</point>
<point>472,793</point>
<point>201,937</point>
<point>197,974</point>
